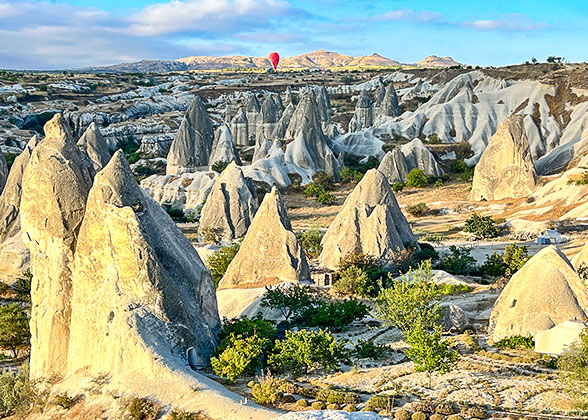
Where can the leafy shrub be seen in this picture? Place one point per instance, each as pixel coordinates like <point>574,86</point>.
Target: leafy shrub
<point>506,264</point>
<point>219,261</point>
<point>142,409</point>
<point>22,286</point>
<point>366,262</point>
<point>65,401</point>
<point>468,174</point>
<point>313,190</point>
<point>17,391</point>
<point>381,402</point>
<point>177,215</point>
<point>452,289</point>
<point>426,252</point>
<point>438,184</point>
<point>307,350</point>
<point>185,415</point>
<point>428,351</point>
<point>483,227</point>
<point>291,299</point>
<point>337,397</point>
<point>352,281</point>
<point>245,327</point>
<point>310,241</point>
<point>411,300</point>
<point>210,235</point>
<point>219,166</point>
<point>302,403</point>
<point>458,167</point>
<point>368,349</point>
<point>325,198</point>
<point>241,354</point>
<point>435,139</point>
<point>397,187</point>
<point>335,314</point>
<point>459,261</point>
<point>323,180</point>
<point>417,210</point>
<point>318,405</point>
<point>267,389</point>
<point>14,328</point>
<point>573,368</point>
<point>349,175</point>
<point>416,178</point>
<point>516,342</point>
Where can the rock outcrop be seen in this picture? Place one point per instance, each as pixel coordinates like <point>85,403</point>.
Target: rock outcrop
<point>55,187</point>
<point>268,117</point>
<point>394,166</point>
<point>506,168</point>
<point>252,111</point>
<point>224,149</point>
<point>3,171</point>
<point>560,338</point>
<point>270,252</point>
<point>240,129</point>
<point>388,105</point>
<point>580,260</point>
<point>363,117</point>
<point>142,298</point>
<point>14,255</point>
<point>94,146</point>
<point>192,145</point>
<point>309,152</point>
<point>418,156</point>
<point>282,125</point>
<point>370,222</point>
<point>230,206</point>
<point>545,292</point>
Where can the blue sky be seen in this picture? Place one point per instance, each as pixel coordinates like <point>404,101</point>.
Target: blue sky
<point>75,33</point>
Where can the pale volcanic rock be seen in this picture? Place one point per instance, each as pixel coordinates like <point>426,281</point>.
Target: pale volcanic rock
<point>545,292</point>
<point>230,205</point>
<point>240,129</point>
<point>388,107</point>
<point>3,172</point>
<point>394,166</point>
<point>14,255</point>
<point>252,111</point>
<point>185,192</point>
<point>580,260</point>
<point>268,117</point>
<point>506,168</point>
<point>559,339</point>
<point>282,125</point>
<point>55,187</point>
<point>363,117</point>
<point>224,149</point>
<point>93,145</point>
<point>192,145</point>
<point>370,222</point>
<point>261,150</point>
<point>270,252</point>
<point>420,157</point>
<point>141,295</point>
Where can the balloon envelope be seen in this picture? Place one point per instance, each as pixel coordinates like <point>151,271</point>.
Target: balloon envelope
<point>274,58</point>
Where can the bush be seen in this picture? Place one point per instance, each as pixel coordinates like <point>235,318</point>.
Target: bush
<point>337,397</point>
<point>417,210</point>
<point>410,301</point>
<point>291,299</point>
<point>369,264</point>
<point>209,234</point>
<point>481,226</point>
<point>307,350</point>
<point>397,187</point>
<point>323,180</point>
<point>267,390</point>
<point>142,409</point>
<point>458,167</point>
<point>573,366</point>
<point>219,166</point>
<point>350,408</point>
<point>325,198</point>
<point>459,261</point>
<point>334,315</point>
<point>426,252</point>
<point>313,190</point>
<point>506,264</point>
<point>65,401</point>
<point>241,354</point>
<point>516,342</point>
<point>419,415</point>
<point>368,349</point>
<point>185,415</point>
<point>302,403</point>
<point>352,281</point>
<point>14,328</point>
<point>435,139</point>
<point>177,215</point>
<point>218,262</point>
<point>17,392</point>
<point>318,405</point>
<point>310,241</point>
<point>381,402</point>
<point>246,327</point>
<point>22,286</point>
<point>416,178</point>
<point>349,175</point>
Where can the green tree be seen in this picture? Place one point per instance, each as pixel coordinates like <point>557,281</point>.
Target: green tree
<point>17,391</point>
<point>428,351</point>
<point>240,355</point>
<point>416,179</point>
<point>352,281</point>
<point>14,328</point>
<point>573,367</point>
<point>412,300</point>
<point>22,286</point>
<point>218,262</point>
<point>507,263</point>
<point>483,227</point>
<point>310,241</point>
<point>308,350</point>
<point>219,166</point>
<point>459,261</point>
<point>290,299</point>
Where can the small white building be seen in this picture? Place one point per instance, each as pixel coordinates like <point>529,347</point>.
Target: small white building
<point>551,237</point>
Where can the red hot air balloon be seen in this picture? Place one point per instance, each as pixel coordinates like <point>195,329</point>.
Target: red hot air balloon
<point>274,58</point>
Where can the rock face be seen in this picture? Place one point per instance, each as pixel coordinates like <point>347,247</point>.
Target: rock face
<point>141,295</point>
<point>192,145</point>
<point>224,149</point>
<point>282,125</point>
<point>363,116</point>
<point>230,206</point>
<point>14,255</point>
<point>3,172</point>
<point>394,166</point>
<point>93,145</point>
<point>309,151</point>
<point>268,117</point>
<point>506,168</point>
<point>418,156</point>
<point>454,318</point>
<point>370,222</point>
<point>55,187</point>
<point>388,105</point>
<point>270,252</point>
<point>560,338</point>
<point>545,292</point>
<point>252,110</point>
<point>580,260</point>
<point>240,129</point>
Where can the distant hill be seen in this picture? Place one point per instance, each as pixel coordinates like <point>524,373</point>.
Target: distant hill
<point>434,61</point>
<point>312,60</point>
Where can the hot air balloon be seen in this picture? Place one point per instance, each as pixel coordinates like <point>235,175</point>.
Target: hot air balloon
<point>274,58</point>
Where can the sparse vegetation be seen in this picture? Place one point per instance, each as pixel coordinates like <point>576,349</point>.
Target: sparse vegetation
<point>507,263</point>
<point>219,166</point>
<point>14,328</point>
<point>573,366</point>
<point>65,401</point>
<point>516,342</point>
<point>17,392</point>
<point>218,262</point>
<point>267,389</point>
<point>291,299</point>
<point>142,409</point>
<point>22,286</point>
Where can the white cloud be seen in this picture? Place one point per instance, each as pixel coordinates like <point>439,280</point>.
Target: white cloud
<point>409,15</point>
<point>511,23</point>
